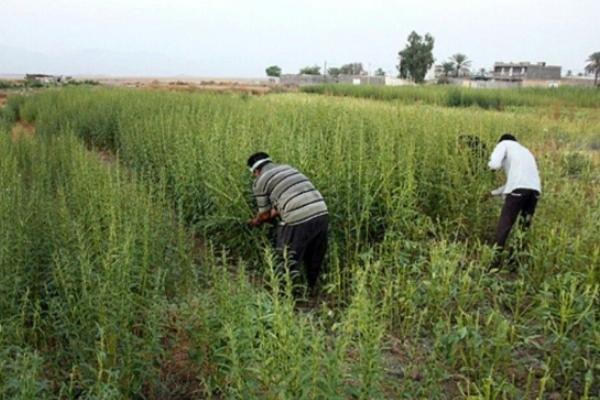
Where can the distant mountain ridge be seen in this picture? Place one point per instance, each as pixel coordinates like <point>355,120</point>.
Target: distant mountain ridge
<point>16,61</point>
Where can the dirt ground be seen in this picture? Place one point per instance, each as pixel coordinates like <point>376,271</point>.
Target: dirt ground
<point>259,86</point>
<point>215,87</point>
<point>22,130</point>
<point>249,86</point>
<point>212,86</point>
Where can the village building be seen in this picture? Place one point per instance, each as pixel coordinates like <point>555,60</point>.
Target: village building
<point>47,79</point>
<point>523,71</point>
<point>503,75</point>
<point>303,80</point>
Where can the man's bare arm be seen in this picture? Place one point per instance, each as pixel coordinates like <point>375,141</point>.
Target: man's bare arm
<point>263,217</point>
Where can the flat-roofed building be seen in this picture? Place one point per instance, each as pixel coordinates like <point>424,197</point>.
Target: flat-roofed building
<point>526,71</point>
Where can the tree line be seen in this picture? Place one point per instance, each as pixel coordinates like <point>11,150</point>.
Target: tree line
<point>354,68</point>
<point>416,59</point>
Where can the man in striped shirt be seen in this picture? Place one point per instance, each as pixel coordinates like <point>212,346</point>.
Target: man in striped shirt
<point>282,191</point>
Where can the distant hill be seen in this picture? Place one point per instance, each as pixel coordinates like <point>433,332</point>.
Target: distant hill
<point>19,61</point>
<point>94,62</point>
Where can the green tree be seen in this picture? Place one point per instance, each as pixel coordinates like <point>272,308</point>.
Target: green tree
<point>273,70</point>
<point>593,66</point>
<point>334,71</point>
<point>460,62</point>
<point>379,72</point>
<point>417,57</point>
<point>354,68</point>
<point>448,68</point>
<point>314,70</point>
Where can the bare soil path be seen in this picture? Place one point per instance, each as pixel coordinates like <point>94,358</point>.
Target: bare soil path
<point>22,130</point>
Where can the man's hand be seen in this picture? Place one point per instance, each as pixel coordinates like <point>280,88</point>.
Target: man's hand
<point>263,217</point>
<point>273,214</point>
<point>253,223</point>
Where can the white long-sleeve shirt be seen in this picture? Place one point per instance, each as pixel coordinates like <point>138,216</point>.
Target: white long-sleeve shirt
<point>518,164</point>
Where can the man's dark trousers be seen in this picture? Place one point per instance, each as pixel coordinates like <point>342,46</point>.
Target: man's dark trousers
<point>305,243</point>
<point>518,202</point>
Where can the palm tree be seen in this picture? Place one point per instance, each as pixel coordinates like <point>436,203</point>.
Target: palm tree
<point>460,61</point>
<point>594,66</point>
<point>447,67</point>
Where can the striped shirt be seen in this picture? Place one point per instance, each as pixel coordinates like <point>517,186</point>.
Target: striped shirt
<point>289,192</point>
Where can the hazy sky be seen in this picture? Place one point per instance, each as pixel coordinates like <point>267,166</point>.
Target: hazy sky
<point>238,38</point>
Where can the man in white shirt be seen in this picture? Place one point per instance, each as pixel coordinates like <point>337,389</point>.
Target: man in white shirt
<point>522,187</point>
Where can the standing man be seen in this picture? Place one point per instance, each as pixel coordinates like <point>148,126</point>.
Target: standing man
<point>282,191</point>
<point>522,187</point>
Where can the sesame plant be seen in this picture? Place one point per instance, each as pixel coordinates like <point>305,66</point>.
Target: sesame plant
<point>138,278</point>
<point>453,96</point>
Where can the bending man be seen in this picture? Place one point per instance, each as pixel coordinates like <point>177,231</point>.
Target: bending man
<point>283,191</point>
<point>522,187</point>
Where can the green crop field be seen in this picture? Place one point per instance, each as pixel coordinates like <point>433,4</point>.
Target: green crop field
<point>453,96</point>
<point>127,270</point>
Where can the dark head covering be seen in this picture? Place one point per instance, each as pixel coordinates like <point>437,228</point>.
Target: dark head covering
<point>257,160</point>
<point>507,136</point>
